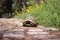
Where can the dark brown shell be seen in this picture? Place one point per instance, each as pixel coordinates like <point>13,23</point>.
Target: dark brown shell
<point>29,24</point>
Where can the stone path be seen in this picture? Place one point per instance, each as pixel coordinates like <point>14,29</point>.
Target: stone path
<point>12,29</point>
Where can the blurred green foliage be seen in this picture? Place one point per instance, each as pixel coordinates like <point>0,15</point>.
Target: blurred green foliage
<point>46,14</point>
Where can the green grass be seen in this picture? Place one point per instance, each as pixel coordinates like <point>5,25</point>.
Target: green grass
<point>46,14</point>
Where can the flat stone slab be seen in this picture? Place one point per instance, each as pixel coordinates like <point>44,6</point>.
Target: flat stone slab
<point>27,33</point>
<point>14,35</point>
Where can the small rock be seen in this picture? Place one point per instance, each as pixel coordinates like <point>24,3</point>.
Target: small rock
<point>52,29</point>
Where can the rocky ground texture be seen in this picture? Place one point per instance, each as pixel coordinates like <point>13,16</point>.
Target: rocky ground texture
<point>13,29</point>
